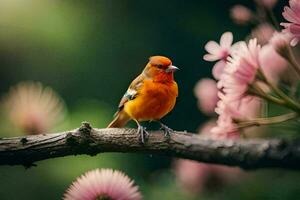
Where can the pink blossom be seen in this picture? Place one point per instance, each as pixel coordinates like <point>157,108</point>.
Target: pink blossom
<point>225,128</point>
<point>280,41</point>
<point>240,14</point>
<point>219,52</point>
<point>272,64</point>
<point>194,177</point>
<point>240,70</point>
<point>263,33</point>
<point>238,74</point>
<point>206,92</point>
<point>218,69</point>
<point>292,14</point>
<point>245,109</point>
<point>33,108</point>
<point>191,175</point>
<point>103,184</point>
<point>249,107</point>
<point>208,131</point>
<point>267,3</point>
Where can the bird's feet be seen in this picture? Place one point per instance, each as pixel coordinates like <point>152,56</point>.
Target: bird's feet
<point>143,134</point>
<point>166,129</point>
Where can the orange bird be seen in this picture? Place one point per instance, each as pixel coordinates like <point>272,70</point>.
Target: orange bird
<point>149,97</point>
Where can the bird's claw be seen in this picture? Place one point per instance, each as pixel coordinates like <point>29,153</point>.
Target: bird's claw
<point>167,131</point>
<point>143,134</point>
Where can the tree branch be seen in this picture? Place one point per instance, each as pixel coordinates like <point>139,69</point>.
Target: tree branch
<point>248,154</point>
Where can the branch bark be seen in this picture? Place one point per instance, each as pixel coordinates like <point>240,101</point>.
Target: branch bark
<point>247,154</point>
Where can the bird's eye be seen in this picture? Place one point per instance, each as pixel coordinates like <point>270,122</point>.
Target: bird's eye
<point>159,66</point>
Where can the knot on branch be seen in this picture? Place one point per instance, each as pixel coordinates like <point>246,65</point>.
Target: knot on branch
<point>82,139</point>
<point>23,140</point>
<point>85,128</point>
<point>81,136</point>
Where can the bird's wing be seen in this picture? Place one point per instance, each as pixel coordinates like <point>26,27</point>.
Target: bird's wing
<point>132,91</point>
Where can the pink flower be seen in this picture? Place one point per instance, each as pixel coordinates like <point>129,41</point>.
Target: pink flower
<point>292,14</point>
<point>272,64</point>
<point>240,70</point>
<point>247,108</point>
<point>225,128</point>
<point>280,41</point>
<point>33,108</point>
<point>219,52</point>
<point>267,3</point>
<point>218,69</point>
<point>103,184</point>
<point>240,14</point>
<point>194,177</point>
<point>263,33</point>
<point>238,74</point>
<point>206,92</point>
<point>191,175</point>
<point>209,130</point>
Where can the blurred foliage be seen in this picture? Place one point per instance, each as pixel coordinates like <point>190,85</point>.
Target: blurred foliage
<point>89,51</point>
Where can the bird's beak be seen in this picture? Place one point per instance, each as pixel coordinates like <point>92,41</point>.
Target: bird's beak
<point>172,68</point>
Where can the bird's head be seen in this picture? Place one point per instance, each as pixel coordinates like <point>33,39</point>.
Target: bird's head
<point>160,69</point>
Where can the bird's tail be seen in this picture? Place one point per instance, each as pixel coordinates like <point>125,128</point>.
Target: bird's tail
<point>120,120</point>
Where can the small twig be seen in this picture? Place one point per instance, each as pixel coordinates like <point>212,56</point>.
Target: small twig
<point>267,120</point>
<point>288,101</point>
<point>293,61</point>
<point>254,89</point>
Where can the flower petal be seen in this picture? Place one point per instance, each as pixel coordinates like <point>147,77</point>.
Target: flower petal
<point>294,42</point>
<point>212,47</point>
<point>218,69</point>
<point>211,57</point>
<point>226,40</point>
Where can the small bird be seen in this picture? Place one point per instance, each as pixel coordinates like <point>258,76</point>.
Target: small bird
<point>149,97</point>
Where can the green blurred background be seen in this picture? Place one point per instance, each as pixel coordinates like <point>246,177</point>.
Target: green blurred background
<point>89,51</point>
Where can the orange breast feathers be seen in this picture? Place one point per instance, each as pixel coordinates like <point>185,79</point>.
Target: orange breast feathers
<point>154,100</point>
